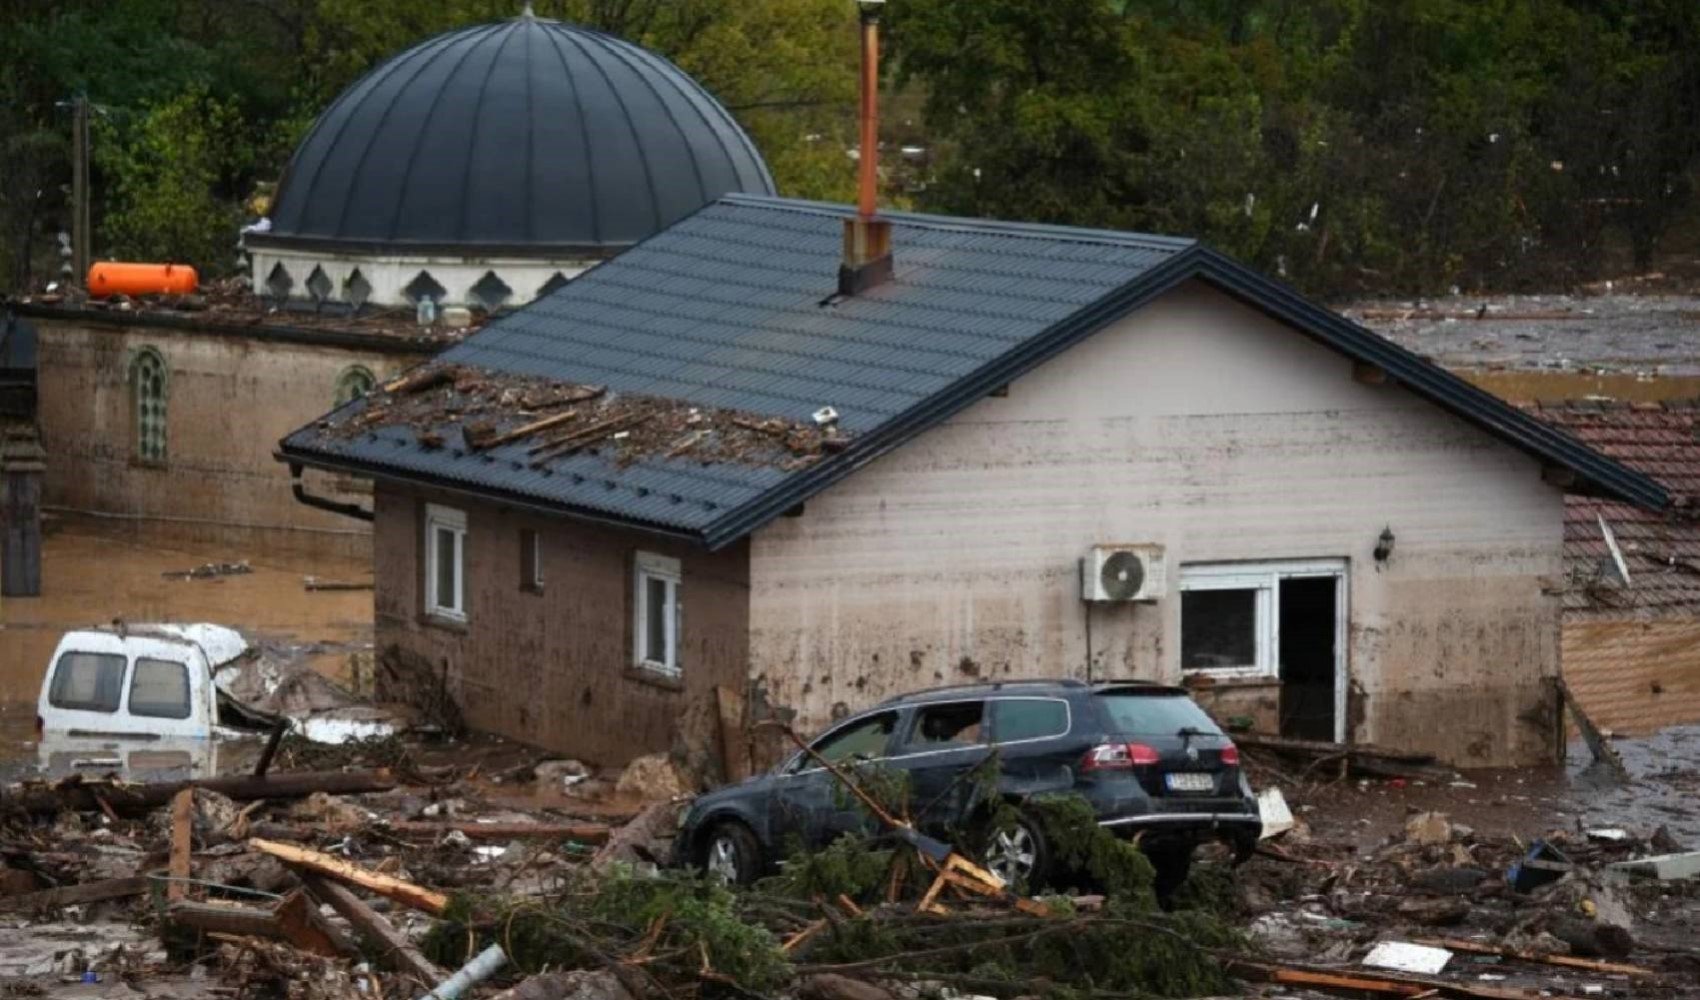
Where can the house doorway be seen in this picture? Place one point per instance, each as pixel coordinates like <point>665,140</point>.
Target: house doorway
<point>1309,656</point>
<point>1281,621</point>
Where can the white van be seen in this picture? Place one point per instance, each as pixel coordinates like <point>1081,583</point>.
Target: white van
<point>139,698</point>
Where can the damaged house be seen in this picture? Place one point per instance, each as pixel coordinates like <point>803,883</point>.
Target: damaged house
<point>758,452</point>
<point>1632,602</point>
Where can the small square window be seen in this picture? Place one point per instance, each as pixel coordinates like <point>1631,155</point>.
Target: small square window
<point>530,561</point>
<point>445,562</point>
<point>656,623</point>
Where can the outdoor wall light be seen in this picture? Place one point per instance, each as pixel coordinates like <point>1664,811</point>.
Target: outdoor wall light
<point>1384,545</point>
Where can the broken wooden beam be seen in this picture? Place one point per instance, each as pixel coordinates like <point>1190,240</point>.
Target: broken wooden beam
<point>525,430</point>
<point>87,796</point>
<point>567,444</point>
<point>1282,744</point>
<point>388,886</point>
<point>1567,961</point>
<point>73,895</point>
<point>393,947</point>
<point>264,764</point>
<point>223,918</point>
<point>299,923</point>
<point>421,378</point>
<point>182,843</point>
<point>587,833</point>
<point>1598,745</point>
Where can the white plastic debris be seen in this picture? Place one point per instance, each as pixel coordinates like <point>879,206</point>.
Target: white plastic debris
<point>1277,818</point>
<point>1403,956</point>
<point>1610,833</point>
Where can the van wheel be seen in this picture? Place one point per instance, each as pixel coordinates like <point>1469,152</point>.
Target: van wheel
<point>1017,853</point>
<point>1172,862</point>
<point>731,852</point>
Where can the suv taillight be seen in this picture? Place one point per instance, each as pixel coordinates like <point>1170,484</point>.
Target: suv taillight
<point>1117,757</point>
<point>1230,756</point>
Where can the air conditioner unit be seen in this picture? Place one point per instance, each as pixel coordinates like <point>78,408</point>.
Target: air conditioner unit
<point>1123,573</point>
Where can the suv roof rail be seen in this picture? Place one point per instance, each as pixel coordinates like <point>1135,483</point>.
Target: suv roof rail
<point>989,686</point>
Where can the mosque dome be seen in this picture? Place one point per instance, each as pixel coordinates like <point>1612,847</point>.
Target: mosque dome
<point>527,140</point>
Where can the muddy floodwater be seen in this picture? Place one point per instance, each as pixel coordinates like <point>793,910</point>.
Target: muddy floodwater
<point>89,579</point>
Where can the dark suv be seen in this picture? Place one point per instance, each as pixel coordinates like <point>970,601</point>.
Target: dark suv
<point>1146,757</point>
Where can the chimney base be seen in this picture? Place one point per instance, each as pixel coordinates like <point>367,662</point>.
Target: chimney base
<point>867,255</point>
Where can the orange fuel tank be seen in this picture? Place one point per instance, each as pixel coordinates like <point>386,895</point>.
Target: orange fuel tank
<point>116,278</point>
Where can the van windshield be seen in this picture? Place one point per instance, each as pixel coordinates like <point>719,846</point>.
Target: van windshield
<point>87,682</point>
<point>1158,713</point>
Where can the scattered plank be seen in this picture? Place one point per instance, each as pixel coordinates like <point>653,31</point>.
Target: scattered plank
<point>1259,741</point>
<point>421,378</point>
<point>182,844</point>
<point>526,430</point>
<point>388,886</point>
<point>566,444</point>
<point>299,923</point>
<point>587,833</point>
<point>393,947</point>
<point>72,895</point>
<point>1568,961</point>
<point>264,764</point>
<point>313,583</point>
<point>1598,745</point>
<point>85,796</point>
<point>223,918</point>
<point>734,741</point>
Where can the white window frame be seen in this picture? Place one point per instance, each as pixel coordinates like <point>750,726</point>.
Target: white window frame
<point>1265,578</point>
<point>442,518</point>
<point>648,566</point>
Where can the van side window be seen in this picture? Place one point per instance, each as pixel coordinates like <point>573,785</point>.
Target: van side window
<point>88,682</point>
<point>954,724</point>
<point>159,689</point>
<point>1028,719</point>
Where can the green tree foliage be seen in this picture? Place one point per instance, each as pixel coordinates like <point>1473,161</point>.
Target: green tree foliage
<point>1348,144</point>
<point>166,170</point>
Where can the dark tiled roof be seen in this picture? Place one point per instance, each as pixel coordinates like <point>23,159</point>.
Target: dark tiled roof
<point>730,309</point>
<point>1661,549</point>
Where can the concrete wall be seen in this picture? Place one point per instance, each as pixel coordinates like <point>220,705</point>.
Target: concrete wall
<point>1635,676</point>
<point>1202,425</point>
<point>554,669</point>
<point>229,400</point>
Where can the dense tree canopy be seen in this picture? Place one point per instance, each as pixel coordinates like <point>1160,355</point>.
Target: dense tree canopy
<point>1351,145</point>
<point>1382,145</point>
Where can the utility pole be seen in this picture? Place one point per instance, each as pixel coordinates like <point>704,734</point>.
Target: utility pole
<point>80,189</point>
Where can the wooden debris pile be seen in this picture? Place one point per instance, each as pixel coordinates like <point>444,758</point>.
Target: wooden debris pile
<point>537,420</point>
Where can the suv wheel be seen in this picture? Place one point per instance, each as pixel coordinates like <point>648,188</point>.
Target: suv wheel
<point>730,851</point>
<point>1016,852</point>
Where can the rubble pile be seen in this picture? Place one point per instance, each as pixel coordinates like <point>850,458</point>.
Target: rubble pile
<point>230,302</point>
<point>475,410</point>
<point>544,879</point>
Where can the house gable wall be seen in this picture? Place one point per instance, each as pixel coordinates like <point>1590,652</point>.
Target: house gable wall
<point>554,668</point>
<point>1200,424</point>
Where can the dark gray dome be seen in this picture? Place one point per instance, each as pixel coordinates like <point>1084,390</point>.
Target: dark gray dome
<point>527,136</point>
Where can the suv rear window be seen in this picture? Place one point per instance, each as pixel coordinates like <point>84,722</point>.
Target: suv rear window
<point>159,689</point>
<point>1028,719</point>
<point>87,682</point>
<point>1158,713</point>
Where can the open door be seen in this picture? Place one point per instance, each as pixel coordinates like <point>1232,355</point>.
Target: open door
<point>1310,661</point>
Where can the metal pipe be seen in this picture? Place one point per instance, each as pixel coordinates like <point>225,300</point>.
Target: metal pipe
<point>482,967</point>
<point>868,181</point>
<point>353,510</point>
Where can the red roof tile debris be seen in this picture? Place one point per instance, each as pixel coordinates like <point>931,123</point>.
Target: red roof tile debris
<point>1661,550</point>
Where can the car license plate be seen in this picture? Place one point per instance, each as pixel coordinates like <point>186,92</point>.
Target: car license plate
<point>1190,782</point>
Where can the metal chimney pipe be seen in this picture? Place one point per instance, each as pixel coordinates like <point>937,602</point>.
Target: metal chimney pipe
<point>868,185</point>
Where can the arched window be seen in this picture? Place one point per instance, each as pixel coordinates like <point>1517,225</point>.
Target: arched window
<point>354,382</point>
<point>148,388</point>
